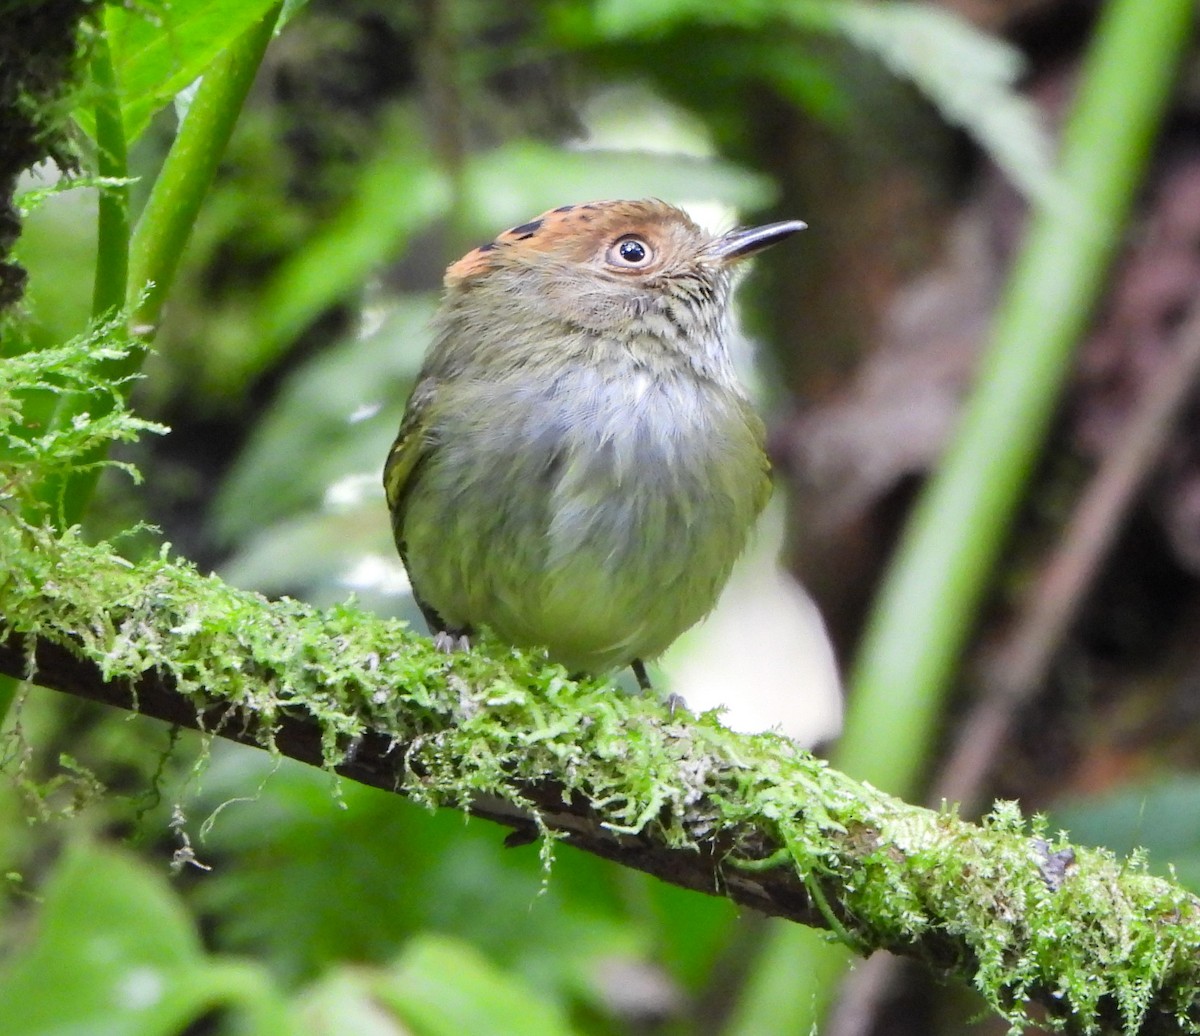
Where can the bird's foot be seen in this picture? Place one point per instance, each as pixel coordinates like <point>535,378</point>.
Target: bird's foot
<point>639,671</point>
<point>451,641</point>
<point>674,701</point>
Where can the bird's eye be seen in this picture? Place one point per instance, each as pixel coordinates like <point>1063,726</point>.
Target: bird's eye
<point>630,253</point>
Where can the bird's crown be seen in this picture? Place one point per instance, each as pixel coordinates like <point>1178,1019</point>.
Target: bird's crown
<point>622,237</point>
<point>635,239</point>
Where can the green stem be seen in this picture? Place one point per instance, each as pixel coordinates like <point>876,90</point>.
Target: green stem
<point>163,229</point>
<point>112,223</point>
<point>110,282</point>
<point>166,223</point>
<point>942,569</point>
<point>152,256</point>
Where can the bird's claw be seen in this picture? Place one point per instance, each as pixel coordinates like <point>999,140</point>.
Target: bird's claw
<point>449,642</point>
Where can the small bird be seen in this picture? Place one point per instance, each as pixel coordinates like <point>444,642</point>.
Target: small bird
<point>578,466</point>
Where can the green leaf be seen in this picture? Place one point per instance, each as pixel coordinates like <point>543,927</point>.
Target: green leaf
<point>111,941</point>
<point>116,954</point>
<point>1162,818</point>
<point>399,194</point>
<point>969,75</point>
<point>443,987</point>
<point>159,48</point>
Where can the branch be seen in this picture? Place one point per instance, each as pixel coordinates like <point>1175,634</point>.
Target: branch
<point>1102,945</point>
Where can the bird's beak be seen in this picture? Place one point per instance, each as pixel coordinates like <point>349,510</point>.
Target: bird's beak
<point>739,244</point>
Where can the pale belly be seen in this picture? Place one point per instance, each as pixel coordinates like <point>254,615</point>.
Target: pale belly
<point>600,530</point>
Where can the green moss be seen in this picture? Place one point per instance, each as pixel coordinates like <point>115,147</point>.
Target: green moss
<point>1106,946</point>
<point>1108,941</point>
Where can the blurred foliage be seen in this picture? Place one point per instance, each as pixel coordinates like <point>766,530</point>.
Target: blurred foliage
<point>117,953</point>
<point>968,74</point>
<point>310,856</point>
<point>159,48</point>
<point>380,141</point>
<point>1161,817</point>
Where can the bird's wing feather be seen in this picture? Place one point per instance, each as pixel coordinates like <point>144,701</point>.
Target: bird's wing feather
<point>410,447</point>
<point>765,484</point>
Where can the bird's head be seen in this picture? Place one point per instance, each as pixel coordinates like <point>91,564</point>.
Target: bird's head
<point>613,267</point>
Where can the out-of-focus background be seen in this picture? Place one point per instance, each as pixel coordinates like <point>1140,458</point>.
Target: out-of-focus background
<point>382,140</point>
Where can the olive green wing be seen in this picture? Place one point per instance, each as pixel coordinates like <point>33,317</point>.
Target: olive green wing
<point>765,484</point>
<point>404,458</point>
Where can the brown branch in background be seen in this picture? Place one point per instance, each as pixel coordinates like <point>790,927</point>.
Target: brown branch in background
<point>1019,667</point>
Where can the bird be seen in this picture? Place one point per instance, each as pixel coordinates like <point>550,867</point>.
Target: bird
<point>578,466</point>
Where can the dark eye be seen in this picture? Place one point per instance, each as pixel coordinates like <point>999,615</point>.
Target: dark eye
<point>630,252</point>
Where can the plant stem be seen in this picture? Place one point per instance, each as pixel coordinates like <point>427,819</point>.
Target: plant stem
<point>152,256</point>
<point>112,222</point>
<point>166,223</point>
<point>163,229</point>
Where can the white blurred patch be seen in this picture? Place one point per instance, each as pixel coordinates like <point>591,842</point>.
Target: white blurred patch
<point>42,174</point>
<point>364,412</point>
<point>371,319</point>
<point>378,573</point>
<point>632,117</point>
<point>763,653</point>
<point>183,99</point>
<point>352,491</point>
<point>140,988</point>
<point>635,989</point>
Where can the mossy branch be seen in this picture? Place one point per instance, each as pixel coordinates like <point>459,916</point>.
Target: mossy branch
<point>1104,946</point>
